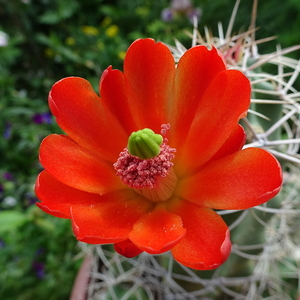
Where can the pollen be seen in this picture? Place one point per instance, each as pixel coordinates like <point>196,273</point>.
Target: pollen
<point>153,177</point>
<point>143,173</point>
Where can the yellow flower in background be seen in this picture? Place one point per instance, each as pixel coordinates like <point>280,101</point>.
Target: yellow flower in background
<point>70,41</point>
<point>49,52</point>
<point>106,21</point>
<point>122,54</point>
<point>142,11</point>
<point>90,64</point>
<point>112,31</point>
<point>90,30</point>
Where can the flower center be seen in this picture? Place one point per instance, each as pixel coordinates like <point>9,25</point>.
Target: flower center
<point>153,176</point>
<point>144,143</point>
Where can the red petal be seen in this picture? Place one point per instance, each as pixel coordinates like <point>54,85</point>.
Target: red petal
<point>238,181</point>
<point>206,244</point>
<point>57,198</point>
<point>195,71</point>
<point>149,70</point>
<point>223,103</point>
<point>158,231</point>
<point>74,166</point>
<point>109,221</point>
<point>114,96</point>
<point>234,143</point>
<point>79,113</point>
<point>127,249</point>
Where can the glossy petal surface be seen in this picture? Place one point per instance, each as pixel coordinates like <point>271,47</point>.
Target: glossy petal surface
<point>77,167</point>
<point>57,198</point>
<point>79,113</point>
<point>127,249</point>
<point>195,70</point>
<point>109,221</point>
<point>149,69</point>
<point>206,244</point>
<point>234,143</point>
<point>238,181</point>
<point>223,103</point>
<point>113,91</point>
<point>158,231</point>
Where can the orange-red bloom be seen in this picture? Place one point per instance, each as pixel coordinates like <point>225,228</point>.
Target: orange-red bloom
<point>202,102</point>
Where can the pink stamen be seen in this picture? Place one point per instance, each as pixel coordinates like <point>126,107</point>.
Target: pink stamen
<point>143,173</point>
<point>164,129</point>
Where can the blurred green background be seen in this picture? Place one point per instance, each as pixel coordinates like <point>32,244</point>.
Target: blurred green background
<point>43,41</point>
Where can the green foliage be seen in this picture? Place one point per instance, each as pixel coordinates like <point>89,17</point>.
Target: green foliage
<point>11,220</point>
<point>39,263</point>
<point>49,40</point>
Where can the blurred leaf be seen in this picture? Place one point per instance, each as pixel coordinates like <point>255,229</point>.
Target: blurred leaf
<point>13,111</point>
<point>65,10</point>
<point>55,44</point>
<point>50,17</point>
<point>45,224</point>
<point>11,219</point>
<point>109,10</point>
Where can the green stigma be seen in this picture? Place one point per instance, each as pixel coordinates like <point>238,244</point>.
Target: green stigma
<point>144,143</point>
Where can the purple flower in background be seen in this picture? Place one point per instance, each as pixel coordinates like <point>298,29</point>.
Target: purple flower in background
<point>37,266</point>
<point>39,269</point>
<point>182,8</point>
<point>2,244</point>
<point>42,118</point>
<point>194,13</point>
<point>7,131</point>
<point>8,176</point>
<point>40,251</point>
<point>167,15</point>
<point>181,5</point>
<point>31,200</point>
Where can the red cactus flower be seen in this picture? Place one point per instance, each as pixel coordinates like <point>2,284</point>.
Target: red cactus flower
<point>183,161</point>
